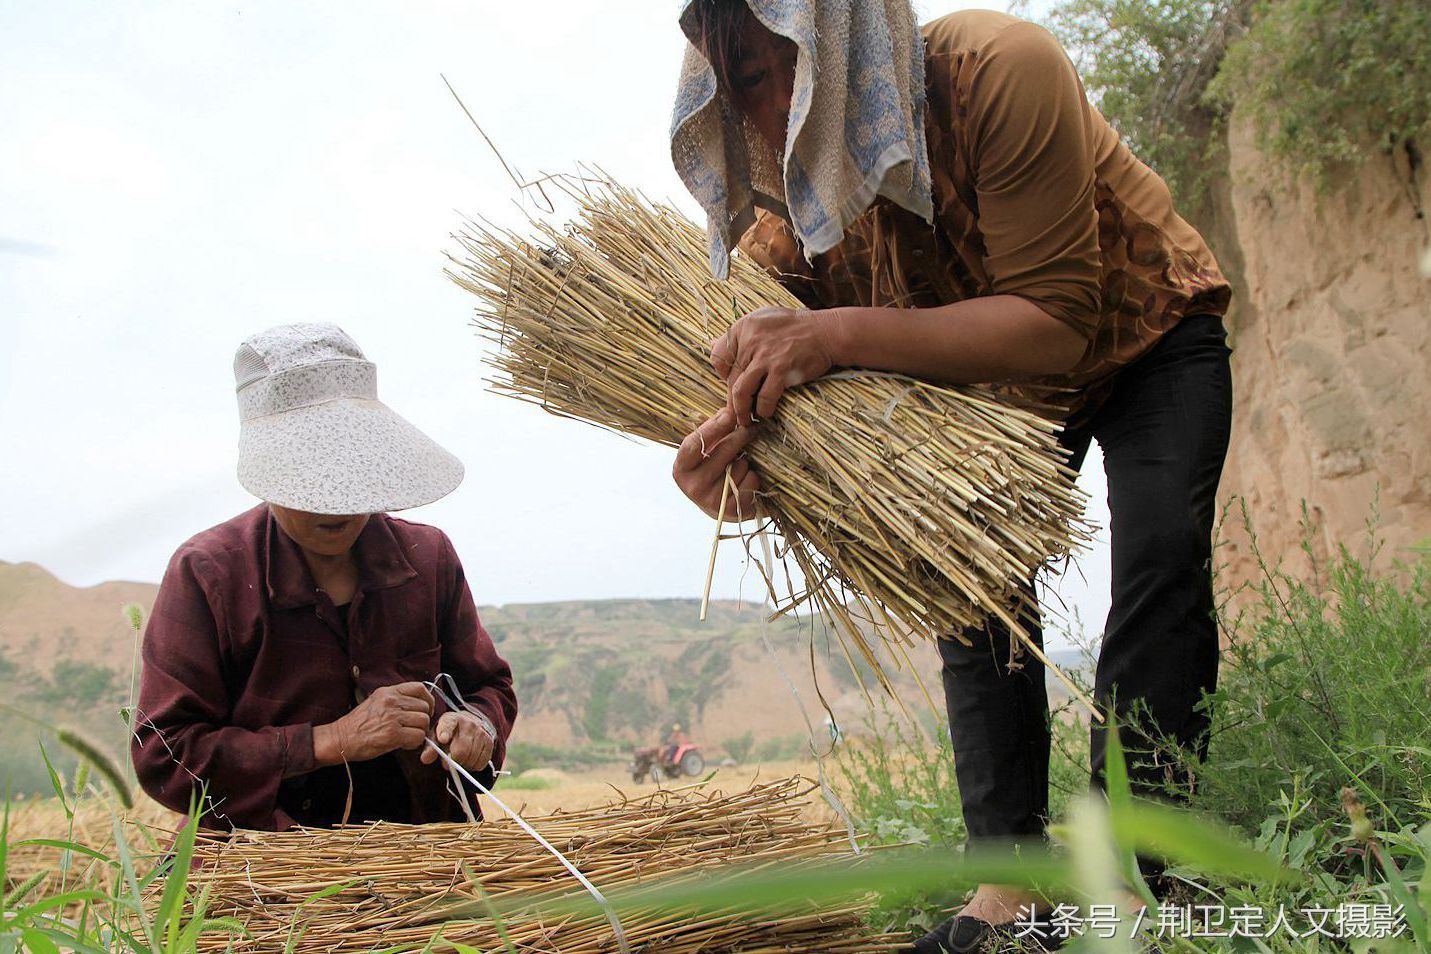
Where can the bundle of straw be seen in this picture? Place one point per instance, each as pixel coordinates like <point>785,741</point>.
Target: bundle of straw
<point>908,506</point>
<point>401,883</point>
<point>35,867</point>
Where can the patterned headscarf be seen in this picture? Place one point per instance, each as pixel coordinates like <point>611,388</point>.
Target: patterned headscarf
<point>856,126</point>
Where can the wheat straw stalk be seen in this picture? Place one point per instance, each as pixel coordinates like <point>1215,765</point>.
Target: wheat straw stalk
<point>906,507</point>
<point>404,882</point>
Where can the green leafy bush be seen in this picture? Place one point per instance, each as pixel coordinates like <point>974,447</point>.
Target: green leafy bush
<point>1326,683</point>
<point>740,746</point>
<point>901,788</point>
<point>1325,82</point>
<point>782,748</point>
<point>527,782</point>
<point>1325,686</point>
<point>1325,79</point>
<point>77,683</point>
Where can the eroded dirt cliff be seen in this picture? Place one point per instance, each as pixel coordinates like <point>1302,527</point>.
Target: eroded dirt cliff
<point>1332,363</point>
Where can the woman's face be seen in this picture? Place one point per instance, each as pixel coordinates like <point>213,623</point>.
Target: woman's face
<point>319,533</point>
<point>762,80</point>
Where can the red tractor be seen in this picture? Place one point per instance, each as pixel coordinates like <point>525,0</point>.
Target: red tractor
<point>661,762</point>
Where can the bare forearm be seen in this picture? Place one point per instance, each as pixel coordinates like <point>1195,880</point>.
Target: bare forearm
<point>996,338</point>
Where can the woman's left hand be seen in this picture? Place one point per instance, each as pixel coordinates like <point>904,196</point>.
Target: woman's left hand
<point>466,738</point>
<point>767,352</point>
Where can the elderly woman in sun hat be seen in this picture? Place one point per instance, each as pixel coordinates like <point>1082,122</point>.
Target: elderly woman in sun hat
<point>292,653</point>
<point>948,205</point>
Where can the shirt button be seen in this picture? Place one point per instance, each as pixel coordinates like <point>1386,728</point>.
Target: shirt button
<point>355,672</point>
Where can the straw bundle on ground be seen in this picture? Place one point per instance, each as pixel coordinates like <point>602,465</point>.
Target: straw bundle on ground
<point>45,869</point>
<point>404,881</point>
<point>907,506</point>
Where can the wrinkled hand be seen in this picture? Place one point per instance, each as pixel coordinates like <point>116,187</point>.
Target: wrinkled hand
<point>767,352</point>
<point>466,737</point>
<point>701,462</point>
<point>393,717</point>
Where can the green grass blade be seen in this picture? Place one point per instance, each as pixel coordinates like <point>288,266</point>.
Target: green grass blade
<point>168,919</point>
<point>71,943</point>
<point>329,891</point>
<point>1120,799</point>
<point>1180,836</point>
<point>1412,910</point>
<point>198,924</point>
<point>100,762</point>
<point>198,909</point>
<point>55,901</point>
<point>5,839</point>
<point>1097,857</point>
<point>135,898</point>
<point>56,783</point>
<point>1423,839</point>
<point>740,889</point>
<point>67,846</point>
<point>135,944</point>
<point>436,935</point>
<point>498,922</point>
<point>36,942</point>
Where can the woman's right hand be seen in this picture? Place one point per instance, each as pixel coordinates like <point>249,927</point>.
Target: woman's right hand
<point>393,717</point>
<point>701,462</point>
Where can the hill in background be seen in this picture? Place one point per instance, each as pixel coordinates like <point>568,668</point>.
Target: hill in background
<point>594,677</point>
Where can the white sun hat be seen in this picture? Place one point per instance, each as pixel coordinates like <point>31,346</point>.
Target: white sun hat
<point>313,435</point>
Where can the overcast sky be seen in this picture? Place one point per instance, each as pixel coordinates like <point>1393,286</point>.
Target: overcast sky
<point>175,176</point>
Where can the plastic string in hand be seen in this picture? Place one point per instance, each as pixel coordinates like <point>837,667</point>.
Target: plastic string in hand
<point>452,698</point>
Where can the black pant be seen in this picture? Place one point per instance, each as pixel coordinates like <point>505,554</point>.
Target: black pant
<point>1164,432</point>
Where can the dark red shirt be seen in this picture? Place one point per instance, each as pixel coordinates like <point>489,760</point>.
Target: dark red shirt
<point>244,655</point>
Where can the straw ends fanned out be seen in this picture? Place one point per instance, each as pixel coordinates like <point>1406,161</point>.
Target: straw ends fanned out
<point>385,886</point>
<point>907,508</point>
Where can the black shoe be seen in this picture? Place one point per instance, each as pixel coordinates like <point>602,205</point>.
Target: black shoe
<point>964,934</point>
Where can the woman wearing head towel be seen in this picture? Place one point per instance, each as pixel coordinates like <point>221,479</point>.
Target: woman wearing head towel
<point>948,205</point>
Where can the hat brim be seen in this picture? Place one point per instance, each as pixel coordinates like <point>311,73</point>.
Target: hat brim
<point>344,457</point>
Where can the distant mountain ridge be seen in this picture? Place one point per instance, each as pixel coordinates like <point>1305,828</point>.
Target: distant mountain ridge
<point>615,671</point>
<point>43,619</point>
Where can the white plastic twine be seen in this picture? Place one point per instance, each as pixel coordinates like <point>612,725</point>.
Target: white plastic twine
<point>455,703</point>
<point>455,787</point>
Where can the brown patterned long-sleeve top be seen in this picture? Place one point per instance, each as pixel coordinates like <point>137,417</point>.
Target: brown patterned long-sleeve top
<point>1035,196</point>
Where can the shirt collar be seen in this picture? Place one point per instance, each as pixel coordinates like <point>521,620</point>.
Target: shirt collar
<point>380,559</point>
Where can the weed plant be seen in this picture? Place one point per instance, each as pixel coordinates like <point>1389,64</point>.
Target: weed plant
<point>1325,683</point>
<point>1320,753</point>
